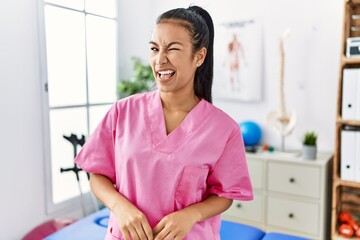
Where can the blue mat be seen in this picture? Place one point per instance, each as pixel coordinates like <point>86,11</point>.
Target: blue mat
<point>280,236</point>
<point>238,231</point>
<point>92,227</point>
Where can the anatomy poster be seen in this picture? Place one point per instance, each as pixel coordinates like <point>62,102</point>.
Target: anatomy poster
<point>238,58</point>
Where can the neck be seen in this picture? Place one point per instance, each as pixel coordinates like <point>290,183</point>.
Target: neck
<point>179,102</point>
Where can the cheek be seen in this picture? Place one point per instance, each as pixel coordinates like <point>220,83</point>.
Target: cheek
<point>188,68</point>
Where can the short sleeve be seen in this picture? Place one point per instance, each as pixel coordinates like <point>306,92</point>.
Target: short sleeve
<point>230,177</point>
<point>97,154</point>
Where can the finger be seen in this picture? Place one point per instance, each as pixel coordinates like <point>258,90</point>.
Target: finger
<point>141,233</point>
<point>134,234</point>
<point>162,234</point>
<point>158,228</point>
<point>125,234</point>
<point>169,236</point>
<point>148,231</point>
<point>178,237</point>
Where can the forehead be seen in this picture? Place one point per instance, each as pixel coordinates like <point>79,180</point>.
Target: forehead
<point>167,32</point>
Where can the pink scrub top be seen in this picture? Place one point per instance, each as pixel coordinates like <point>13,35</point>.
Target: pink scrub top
<point>161,173</point>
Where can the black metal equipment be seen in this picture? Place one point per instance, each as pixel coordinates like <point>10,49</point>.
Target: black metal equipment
<point>75,141</point>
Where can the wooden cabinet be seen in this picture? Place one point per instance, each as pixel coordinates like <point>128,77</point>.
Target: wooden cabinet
<point>346,193</point>
<point>291,195</point>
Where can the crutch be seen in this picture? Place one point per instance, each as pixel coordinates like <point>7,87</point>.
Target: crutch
<point>75,141</point>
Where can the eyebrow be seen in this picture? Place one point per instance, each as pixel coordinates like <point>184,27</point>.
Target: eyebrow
<point>169,45</point>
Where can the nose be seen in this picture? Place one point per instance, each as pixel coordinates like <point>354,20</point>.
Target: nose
<point>161,58</point>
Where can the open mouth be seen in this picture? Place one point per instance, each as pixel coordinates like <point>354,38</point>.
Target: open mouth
<point>166,74</point>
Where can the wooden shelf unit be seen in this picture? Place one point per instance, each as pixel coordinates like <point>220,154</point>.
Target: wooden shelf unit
<point>340,182</point>
<point>349,61</point>
<point>338,237</point>
<point>345,194</point>
<point>348,122</point>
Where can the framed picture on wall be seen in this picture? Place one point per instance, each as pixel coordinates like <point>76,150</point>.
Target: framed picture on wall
<point>238,58</point>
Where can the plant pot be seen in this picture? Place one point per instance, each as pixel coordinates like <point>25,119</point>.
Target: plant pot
<point>309,152</point>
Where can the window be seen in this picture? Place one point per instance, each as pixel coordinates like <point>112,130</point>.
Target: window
<point>79,50</point>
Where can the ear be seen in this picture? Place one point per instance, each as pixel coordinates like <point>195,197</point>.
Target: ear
<point>200,56</point>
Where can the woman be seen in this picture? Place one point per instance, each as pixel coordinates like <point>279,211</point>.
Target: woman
<point>167,163</point>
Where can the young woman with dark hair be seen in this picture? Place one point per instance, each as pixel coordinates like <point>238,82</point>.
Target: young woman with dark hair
<point>199,26</point>
<point>167,163</point>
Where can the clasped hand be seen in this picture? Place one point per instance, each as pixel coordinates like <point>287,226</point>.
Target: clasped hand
<point>134,225</point>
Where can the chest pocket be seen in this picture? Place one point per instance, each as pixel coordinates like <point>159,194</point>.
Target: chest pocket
<point>192,186</point>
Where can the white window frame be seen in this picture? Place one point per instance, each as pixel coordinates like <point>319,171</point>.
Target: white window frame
<point>72,204</point>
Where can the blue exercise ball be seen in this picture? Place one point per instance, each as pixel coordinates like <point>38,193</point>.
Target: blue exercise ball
<point>251,133</point>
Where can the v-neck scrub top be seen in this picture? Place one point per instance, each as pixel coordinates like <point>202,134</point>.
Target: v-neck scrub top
<point>161,173</point>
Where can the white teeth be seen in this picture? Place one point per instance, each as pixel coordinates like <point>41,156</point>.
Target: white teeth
<point>166,72</point>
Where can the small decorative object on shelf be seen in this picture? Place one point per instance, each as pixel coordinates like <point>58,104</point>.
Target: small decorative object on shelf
<point>282,120</point>
<point>349,227</point>
<point>251,133</point>
<point>309,145</point>
<point>352,47</point>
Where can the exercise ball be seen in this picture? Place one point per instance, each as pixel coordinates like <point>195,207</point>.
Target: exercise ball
<point>251,133</point>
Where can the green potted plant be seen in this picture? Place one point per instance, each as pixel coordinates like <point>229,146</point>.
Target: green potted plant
<point>309,149</point>
<point>141,81</point>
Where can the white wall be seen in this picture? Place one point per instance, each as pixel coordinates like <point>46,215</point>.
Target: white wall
<point>135,28</point>
<point>311,82</point>
<point>22,176</point>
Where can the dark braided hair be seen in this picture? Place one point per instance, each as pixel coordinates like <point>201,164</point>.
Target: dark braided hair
<point>199,24</point>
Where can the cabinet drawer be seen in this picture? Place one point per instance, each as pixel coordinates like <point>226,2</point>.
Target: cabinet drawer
<point>298,216</point>
<point>252,210</point>
<point>294,179</point>
<point>256,173</point>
